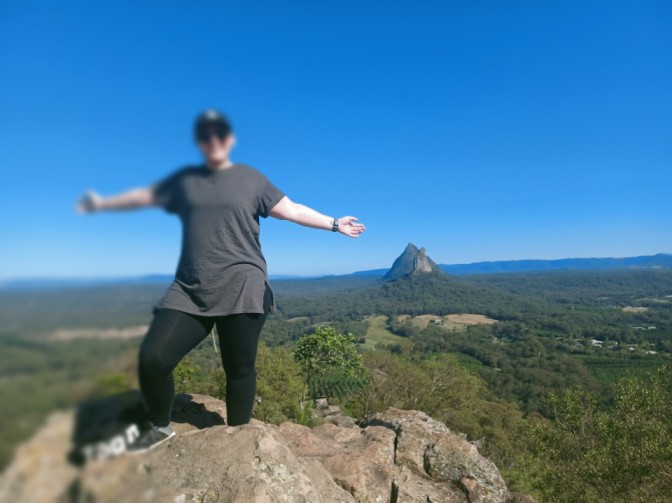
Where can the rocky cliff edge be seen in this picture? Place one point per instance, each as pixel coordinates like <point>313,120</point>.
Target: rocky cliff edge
<point>400,456</point>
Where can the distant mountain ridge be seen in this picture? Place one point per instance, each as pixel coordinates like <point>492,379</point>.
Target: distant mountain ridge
<point>58,283</point>
<point>658,261</point>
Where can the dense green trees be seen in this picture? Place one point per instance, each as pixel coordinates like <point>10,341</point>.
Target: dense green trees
<point>280,387</point>
<point>329,362</point>
<point>619,454</point>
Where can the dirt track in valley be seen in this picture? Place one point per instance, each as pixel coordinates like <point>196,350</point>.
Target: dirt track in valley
<point>65,334</point>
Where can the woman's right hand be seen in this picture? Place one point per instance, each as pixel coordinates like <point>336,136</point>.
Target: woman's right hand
<point>90,202</point>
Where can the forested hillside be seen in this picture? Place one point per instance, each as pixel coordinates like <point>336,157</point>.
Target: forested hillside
<point>503,358</point>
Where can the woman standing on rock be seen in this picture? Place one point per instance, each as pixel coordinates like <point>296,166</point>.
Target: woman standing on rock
<point>221,277</point>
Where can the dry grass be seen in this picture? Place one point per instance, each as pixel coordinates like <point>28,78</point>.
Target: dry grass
<point>298,318</point>
<point>470,319</point>
<point>451,322</point>
<point>630,309</point>
<point>95,333</point>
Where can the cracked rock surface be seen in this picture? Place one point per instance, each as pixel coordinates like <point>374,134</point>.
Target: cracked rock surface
<point>397,456</point>
<point>430,451</point>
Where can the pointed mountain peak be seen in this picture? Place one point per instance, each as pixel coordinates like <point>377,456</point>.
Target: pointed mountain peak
<point>410,247</point>
<point>411,261</point>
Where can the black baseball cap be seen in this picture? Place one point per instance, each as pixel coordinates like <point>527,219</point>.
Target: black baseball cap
<point>212,117</point>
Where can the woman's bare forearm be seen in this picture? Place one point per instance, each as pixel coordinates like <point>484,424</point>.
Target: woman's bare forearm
<point>300,214</point>
<point>308,217</point>
<point>129,200</point>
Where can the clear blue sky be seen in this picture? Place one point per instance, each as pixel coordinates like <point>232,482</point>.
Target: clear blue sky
<point>481,130</point>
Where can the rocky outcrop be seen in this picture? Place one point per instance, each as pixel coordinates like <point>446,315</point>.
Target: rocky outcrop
<point>397,456</point>
<point>411,261</point>
<point>430,451</point>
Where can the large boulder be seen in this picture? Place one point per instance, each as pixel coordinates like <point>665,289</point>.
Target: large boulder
<point>395,456</point>
<point>428,449</point>
<point>248,463</point>
<point>360,460</point>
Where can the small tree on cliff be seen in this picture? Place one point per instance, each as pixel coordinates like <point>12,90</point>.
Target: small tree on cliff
<point>329,362</point>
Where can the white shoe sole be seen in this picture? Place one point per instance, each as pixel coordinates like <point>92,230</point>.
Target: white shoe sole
<point>140,451</point>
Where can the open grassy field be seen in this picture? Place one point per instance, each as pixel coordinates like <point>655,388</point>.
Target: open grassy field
<point>297,319</point>
<point>451,322</point>
<point>379,334</point>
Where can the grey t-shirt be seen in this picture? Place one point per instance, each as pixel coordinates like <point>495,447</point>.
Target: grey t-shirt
<point>221,269</point>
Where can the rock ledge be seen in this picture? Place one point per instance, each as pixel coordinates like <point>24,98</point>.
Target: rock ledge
<point>397,456</point>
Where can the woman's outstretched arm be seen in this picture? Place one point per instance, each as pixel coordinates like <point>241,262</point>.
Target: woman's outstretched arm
<point>92,202</point>
<point>287,209</point>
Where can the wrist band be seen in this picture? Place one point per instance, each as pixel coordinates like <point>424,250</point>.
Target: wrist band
<point>334,225</point>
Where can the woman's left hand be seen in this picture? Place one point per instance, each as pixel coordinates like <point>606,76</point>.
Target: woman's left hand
<point>350,227</point>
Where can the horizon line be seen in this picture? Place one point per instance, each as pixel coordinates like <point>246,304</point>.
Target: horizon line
<point>86,278</point>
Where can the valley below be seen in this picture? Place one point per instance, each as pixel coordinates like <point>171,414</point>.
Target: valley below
<point>505,359</point>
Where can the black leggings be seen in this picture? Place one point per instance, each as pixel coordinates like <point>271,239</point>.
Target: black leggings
<point>172,334</point>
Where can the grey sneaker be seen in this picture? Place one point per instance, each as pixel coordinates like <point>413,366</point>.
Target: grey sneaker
<point>148,440</point>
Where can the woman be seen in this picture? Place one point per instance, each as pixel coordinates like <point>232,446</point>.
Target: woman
<point>221,277</point>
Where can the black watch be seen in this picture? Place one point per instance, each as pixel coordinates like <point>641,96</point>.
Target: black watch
<point>334,225</point>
